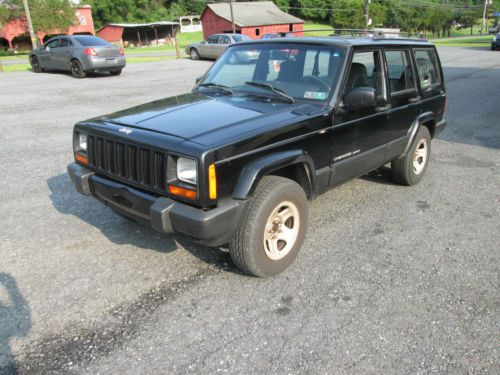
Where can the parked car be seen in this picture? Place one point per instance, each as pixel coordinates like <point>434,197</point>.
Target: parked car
<point>236,160</point>
<point>494,29</point>
<point>495,43</point>
<point>277,35</point>
<point>216,45</point>
<point>79,54</point>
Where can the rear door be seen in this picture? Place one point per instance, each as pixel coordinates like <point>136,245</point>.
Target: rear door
<point>359,138</point>
<point>404,99</point>
<point>430,80</point>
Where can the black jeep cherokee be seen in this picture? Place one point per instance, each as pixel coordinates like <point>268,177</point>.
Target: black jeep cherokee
<point>237,159</point>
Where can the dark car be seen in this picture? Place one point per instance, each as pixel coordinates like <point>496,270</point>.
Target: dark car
<point>495,43</point>
<point>79,54</point>
<point>236,160</point>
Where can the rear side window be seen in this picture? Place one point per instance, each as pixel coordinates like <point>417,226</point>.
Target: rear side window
<point>428,69</point>
<point>92,41</point>
<point>399,71</point>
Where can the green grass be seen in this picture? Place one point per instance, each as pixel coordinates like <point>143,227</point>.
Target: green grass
<point>476,41</point>
<point>16,68</point>
<point>14,58</point>
<point>133,60</point>
<point>316,26</point>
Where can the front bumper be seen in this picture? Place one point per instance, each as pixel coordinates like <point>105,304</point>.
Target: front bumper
<point>213,227</point>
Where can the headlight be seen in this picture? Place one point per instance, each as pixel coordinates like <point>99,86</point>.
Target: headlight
<point>186,170</point>
<point>494,38</point>
<point>82,142</point>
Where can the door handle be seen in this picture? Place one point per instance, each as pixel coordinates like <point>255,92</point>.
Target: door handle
<point>414,100</point>
<point>383,108</point>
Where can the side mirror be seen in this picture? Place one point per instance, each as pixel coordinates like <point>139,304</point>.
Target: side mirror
<point>46,48</point>
<point>360,98</point>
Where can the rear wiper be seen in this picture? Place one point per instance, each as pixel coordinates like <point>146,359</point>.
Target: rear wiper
<point>270,87</point>
<point>217,86</point>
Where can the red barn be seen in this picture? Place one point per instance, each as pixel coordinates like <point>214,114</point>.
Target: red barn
<point>253,19</point>
<point>16,31</point>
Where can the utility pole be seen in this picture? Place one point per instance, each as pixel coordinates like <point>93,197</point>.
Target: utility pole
<point>485,13</point>
<point>367,15</point>
<point>34,41</point>
<point>232,15</point>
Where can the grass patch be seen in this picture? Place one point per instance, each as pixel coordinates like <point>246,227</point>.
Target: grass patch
<point>316,26</point>
<point>477,41</point>
<point>16,68</point>
<point>14,58</point>
<point>145,59</point>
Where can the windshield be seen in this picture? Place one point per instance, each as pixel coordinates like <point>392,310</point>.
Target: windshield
<point>301,71</point>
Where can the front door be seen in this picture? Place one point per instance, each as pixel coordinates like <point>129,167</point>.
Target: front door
<point>360,137</point>
<point>223,43</point>
<point>61,56</point>
<point>207,48</point>
<point>47,52</point>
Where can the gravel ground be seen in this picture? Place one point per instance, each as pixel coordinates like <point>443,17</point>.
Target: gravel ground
<point>390,279</point>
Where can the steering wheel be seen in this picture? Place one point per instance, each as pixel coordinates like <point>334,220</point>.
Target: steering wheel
<point>315,81</point>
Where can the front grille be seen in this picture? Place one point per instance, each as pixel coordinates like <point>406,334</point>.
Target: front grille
<point>136,164</point>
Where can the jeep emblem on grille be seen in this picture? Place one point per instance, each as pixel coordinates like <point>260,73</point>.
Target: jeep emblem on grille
<point>125,130</point>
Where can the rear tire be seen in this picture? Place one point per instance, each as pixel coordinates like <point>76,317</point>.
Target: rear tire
<point>116,72</point>
<point>35,64</point>
<point>77,69</point>
<point>273,229</point>
<point>410,169</point>
<point>193,53</point>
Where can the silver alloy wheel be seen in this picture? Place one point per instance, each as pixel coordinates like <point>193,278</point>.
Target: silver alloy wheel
<point>420,156</point>
<point>194,54</point>
<point>281,230</point>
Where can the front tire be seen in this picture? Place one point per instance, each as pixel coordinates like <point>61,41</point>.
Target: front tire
<point>410,169</point>
<point>193,53</point>
<point>77,69</point>
<point>35,64</point>
<point>273,230</point>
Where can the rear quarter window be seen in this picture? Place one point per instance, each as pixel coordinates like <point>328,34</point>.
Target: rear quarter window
<point>429,73</point>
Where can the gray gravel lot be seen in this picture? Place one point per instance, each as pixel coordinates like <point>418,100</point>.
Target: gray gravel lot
<point>390,279</point>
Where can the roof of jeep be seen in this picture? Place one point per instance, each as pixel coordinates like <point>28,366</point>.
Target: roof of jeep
<point>346,41</point>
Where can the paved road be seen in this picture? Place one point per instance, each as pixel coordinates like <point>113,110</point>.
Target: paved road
<point>390,279</point>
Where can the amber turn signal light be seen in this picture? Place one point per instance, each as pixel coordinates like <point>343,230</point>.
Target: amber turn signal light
<point>181,192</point>
<point>212,182</point>
<point>82,159</point>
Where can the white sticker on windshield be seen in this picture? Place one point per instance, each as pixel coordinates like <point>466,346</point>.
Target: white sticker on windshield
<point>315,95</point>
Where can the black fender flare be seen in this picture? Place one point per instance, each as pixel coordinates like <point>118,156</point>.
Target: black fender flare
<point>412,132</point>
<point>254,171</point>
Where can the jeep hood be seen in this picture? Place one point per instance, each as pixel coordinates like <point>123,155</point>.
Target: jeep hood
<point>205,119</point>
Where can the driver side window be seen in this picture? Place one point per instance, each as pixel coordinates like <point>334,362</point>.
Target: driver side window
<point>213,39</point>
<point>52,44</point>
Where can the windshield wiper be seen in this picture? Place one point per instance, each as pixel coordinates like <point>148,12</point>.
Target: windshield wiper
<point>270,87</point>
<point>217,86</point>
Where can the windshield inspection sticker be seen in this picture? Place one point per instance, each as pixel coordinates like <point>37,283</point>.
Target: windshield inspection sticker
<point>315,95</point>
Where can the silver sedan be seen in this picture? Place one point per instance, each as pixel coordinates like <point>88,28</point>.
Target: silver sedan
<point>79,54</point>
<point>216,45</point>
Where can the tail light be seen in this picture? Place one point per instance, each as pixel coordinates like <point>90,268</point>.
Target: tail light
<point>122,52</point>
<point>90,52</point>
